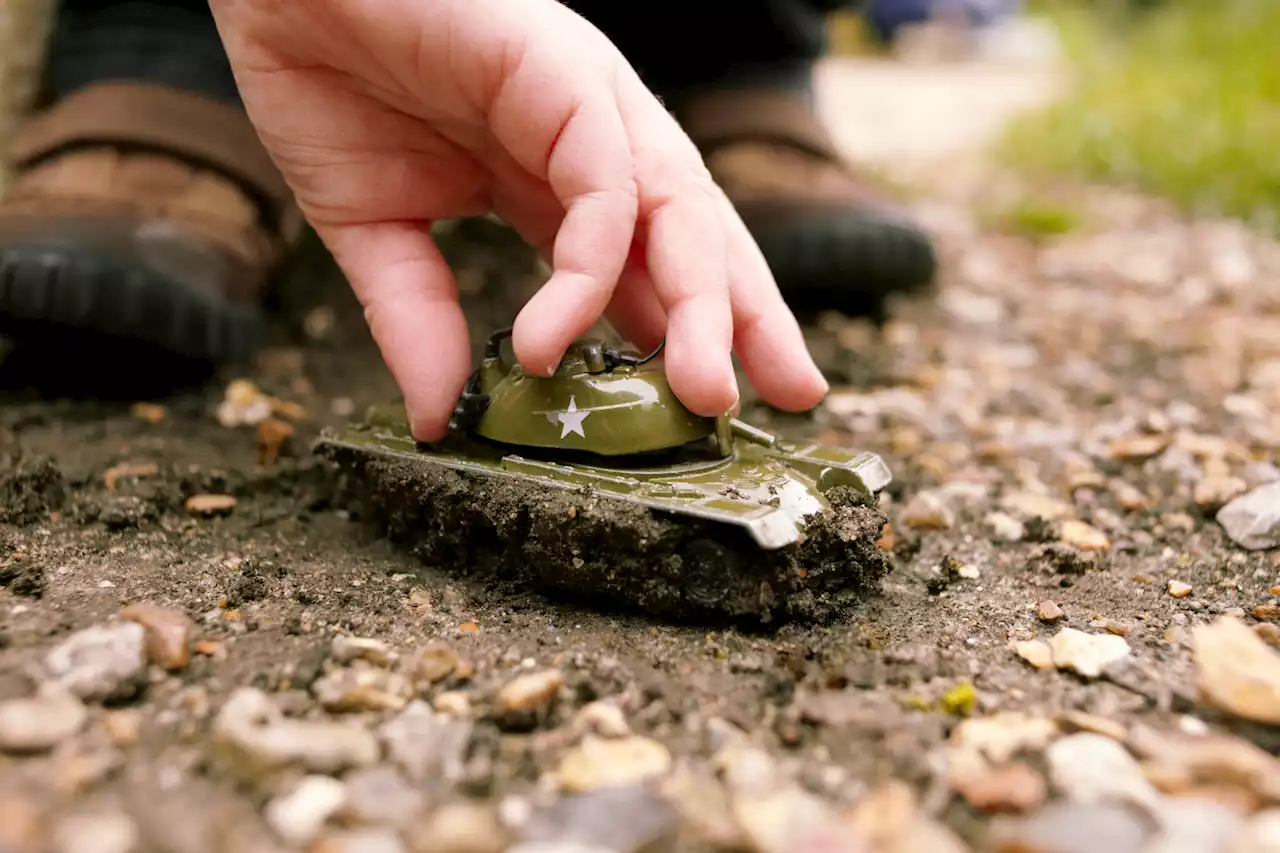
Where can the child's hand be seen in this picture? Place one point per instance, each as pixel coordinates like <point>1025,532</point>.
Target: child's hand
<point>385,115</point>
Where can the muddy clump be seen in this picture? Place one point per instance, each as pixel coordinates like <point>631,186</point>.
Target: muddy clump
<point>582,547</point>
<point>31,487</point>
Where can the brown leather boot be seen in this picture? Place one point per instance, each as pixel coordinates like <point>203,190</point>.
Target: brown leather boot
<point>143,215</point>
<point>832,242</point>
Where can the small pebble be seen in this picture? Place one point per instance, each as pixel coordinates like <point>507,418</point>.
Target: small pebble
<point>101,664</point>
<point>600,762</point>
<point>1236,671</point>
<point>1214,491</point>
<point>1048,611</point>
<point>1035,652</point>
<point>1179,589</point>
<point>273,439</point>
<point>460,827</point>
<point>254,738</point>
<point>299,815</point>
<point>359,689</point>
<point>210,505</point>
<point>1010,787</point>
<point>39,723</point>
<point>453,703</point>
<point>998,738</point>
<point>1260,474</point>
<point>1005,527</point>
<point>1079,721</point>
<point>426,745</point>
<point>432,663</point>
<point>346,649</point>
<point>1129,497</point>
<point>1034,505</point>
<point>128,471</point>
<point>380,795</point>
<point>1183,763</point>
<point>1086,654</point>
<point>927,511</point>
<point>96,830</point>
<point>123,727</point>
<point>1091,769</point>
<point>1082,536</point>
<point>1269,633</point>
<point>533,692</point>
<point>1266,611</point>
<point>168,634</point>
<point>1252,520</point>
<point>1070,828</point>
<point>1138,447</point>
<point>1110,626</point>
<point>243,405</point>
<point>363,840</point>
<point>886,819</point>
<point>1194,825</point>
<point>148,412</point>
<point>603,718</point>
<point>622,819</point>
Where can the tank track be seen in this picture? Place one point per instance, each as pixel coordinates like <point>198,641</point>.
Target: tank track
<point>595,550</point>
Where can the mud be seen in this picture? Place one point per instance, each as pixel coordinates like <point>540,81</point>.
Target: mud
<point>601,552</point>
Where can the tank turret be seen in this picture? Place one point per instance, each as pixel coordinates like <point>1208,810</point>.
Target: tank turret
<point>600,401</point>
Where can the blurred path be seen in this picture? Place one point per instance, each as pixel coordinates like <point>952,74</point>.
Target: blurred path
<point>904,118</point>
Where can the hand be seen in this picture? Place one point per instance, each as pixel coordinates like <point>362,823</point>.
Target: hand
<point>385,116</point>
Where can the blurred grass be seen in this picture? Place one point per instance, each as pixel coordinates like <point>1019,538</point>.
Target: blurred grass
<point>1033,218</point>
<point>1182,100</point>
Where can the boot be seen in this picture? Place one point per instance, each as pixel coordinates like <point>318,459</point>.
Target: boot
<point>832,242</point>
<point>142,215</point>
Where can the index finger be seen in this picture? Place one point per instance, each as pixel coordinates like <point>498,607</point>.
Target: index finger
<point>559,121</point>
<point>410,302</point>
<point>589,169</point>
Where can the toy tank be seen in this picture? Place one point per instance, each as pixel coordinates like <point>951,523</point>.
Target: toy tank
<point>598,482</point>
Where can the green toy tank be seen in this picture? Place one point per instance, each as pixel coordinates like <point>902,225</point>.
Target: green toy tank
<point>598,483</point>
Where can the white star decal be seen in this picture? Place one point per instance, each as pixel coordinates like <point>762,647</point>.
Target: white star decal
<point>571,419</point>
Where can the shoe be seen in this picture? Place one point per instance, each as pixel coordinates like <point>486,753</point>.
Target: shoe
<point>142,215</point>
<point>832,241</point>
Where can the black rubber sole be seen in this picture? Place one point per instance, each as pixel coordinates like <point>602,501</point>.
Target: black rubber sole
<point>112,298</point>
<point>847,263</point>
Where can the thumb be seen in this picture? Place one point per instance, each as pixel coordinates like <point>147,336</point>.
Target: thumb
<point>410,302</point>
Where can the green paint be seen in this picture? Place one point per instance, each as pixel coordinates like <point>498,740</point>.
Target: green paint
<point>618,431</point>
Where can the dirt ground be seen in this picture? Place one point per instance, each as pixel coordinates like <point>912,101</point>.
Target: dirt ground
<point>1063,419</point>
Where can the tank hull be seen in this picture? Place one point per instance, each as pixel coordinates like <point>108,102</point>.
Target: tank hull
<point>772,532</point>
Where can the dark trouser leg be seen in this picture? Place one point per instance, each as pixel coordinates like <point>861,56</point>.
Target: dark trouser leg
<point>685,47</point>
<point>172,43</point>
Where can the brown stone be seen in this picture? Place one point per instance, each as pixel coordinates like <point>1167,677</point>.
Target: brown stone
<point>1266,611</point>
<point>128,470</point>
<point>1015,787</point>
<point>206,504</point>
<point>1049,611</point>
<point>273,439</point>
<point>168,634</point>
